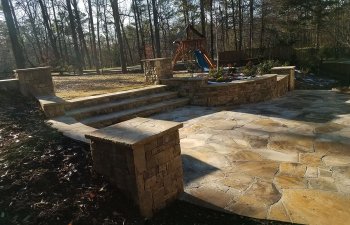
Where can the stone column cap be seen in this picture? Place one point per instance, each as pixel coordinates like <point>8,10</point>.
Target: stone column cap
<point>283,67</point>
<point>32,69</point>
<point>134,132</point>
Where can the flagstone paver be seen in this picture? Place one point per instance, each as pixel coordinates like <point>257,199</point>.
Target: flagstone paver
<point>286,159</point>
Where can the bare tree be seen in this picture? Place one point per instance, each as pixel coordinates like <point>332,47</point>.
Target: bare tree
<point>92,28</point>
<point>78,63</point>
<point>47,24</point>
<point>156,29</point>
<point>16,47</point>
<point>116,16</point>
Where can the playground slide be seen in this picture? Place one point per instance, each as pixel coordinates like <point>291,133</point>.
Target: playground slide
<point>201,60</point>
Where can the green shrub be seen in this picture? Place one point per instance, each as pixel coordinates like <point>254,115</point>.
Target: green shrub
<point>266,66</point>
<point>249,69</point>
<point>216,74</point>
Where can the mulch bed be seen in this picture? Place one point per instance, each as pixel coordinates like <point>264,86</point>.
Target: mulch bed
<point>46,178</point>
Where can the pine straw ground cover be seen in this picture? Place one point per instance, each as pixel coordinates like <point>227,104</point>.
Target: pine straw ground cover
<point>46,178</point>
<point>69,86</point>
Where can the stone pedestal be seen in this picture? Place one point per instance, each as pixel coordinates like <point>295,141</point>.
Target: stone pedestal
<point>142,158</point>
<point>156,69</point>
<point>284,70</point>
<point>35,81</point>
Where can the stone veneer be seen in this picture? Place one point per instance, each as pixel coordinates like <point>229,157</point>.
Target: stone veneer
<point>142,158</point>
<point>238,92</point>
<point>283,70</point>
<point>9,85</point>
<point>156,69</point>
<point>35,81</point>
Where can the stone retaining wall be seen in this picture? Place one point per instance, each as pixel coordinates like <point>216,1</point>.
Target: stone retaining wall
<point>238,92</point>
<point>35,81</point>
<point>142,158</point>
<point>286,70</point>
<point>282,85</point>
<point>9,85</point>
<point>185,86</point>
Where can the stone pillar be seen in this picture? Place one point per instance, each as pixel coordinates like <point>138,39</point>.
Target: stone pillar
<point>142,158</point>
<point>35,81</point>
<point>157,69</point>
<point>286,70</point>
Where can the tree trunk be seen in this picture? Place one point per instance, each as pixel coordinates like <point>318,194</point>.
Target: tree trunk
<point>116,16</point>
<point>234,23</point>
<point>142,32</point>
<point>81,33</point>
<point>251,26</point>
<point>240,24</point>
<point>211,30</point>
<point>35,32</point>
<point>226,30</point>
<point>107,34</point>
<point>58,30</point>
<point>127,44</point>
<point>202,17</point>
<point>94,49</point>
<point>135,10</point>
<point>151,29</point>
<point>156,29</point>
<point>78,61</point>
<point>262,25</point>
<point>98,9</point>
<point>47,25</point>
<point>16,47</point>
<point>185,12</point>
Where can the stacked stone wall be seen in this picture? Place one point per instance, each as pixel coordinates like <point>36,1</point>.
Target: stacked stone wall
<point>9,85</point>
<point>142,158</point>
<point>35,81</point>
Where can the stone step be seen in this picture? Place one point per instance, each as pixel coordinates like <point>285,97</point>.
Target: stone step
<point>129,103</point>
<point>143,111</point>
<point>106,98</point>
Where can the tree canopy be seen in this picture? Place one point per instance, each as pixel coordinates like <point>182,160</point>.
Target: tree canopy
<point>93,34</point>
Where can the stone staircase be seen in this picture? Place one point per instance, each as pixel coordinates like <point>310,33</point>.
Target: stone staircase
<point>84,115</point>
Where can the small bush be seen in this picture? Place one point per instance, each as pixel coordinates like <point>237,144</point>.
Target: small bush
<point>215,74</point>
<point>249,69</point>
<point>266,66</point>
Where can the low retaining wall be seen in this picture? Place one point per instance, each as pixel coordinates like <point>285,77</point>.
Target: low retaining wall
<point>284,70</point>
<point>35,81</point>
<point>282,86</point>
<point>9,85</point>
<point>238,92</point>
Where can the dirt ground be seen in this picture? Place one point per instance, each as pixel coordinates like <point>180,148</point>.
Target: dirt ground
<point>46,178</point>
<point>68,87</point>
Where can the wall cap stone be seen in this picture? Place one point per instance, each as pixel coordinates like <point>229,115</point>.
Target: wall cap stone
<point>155,59</point>
<point>236,82</point>
<point>134,132</point>
<point>186,79</point>
<point>9,80</point>
<point>283,67</point>
<point>33,69</point>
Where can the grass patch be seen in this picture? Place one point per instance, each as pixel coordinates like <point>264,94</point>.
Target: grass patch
<point>69,87</point>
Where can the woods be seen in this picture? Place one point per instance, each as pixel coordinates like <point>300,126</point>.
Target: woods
<point>74,35</point>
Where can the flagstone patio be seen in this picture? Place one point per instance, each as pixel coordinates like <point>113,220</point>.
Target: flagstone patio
<point>286,159</point>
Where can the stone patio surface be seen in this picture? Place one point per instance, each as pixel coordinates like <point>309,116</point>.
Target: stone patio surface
<point>286,159</point>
